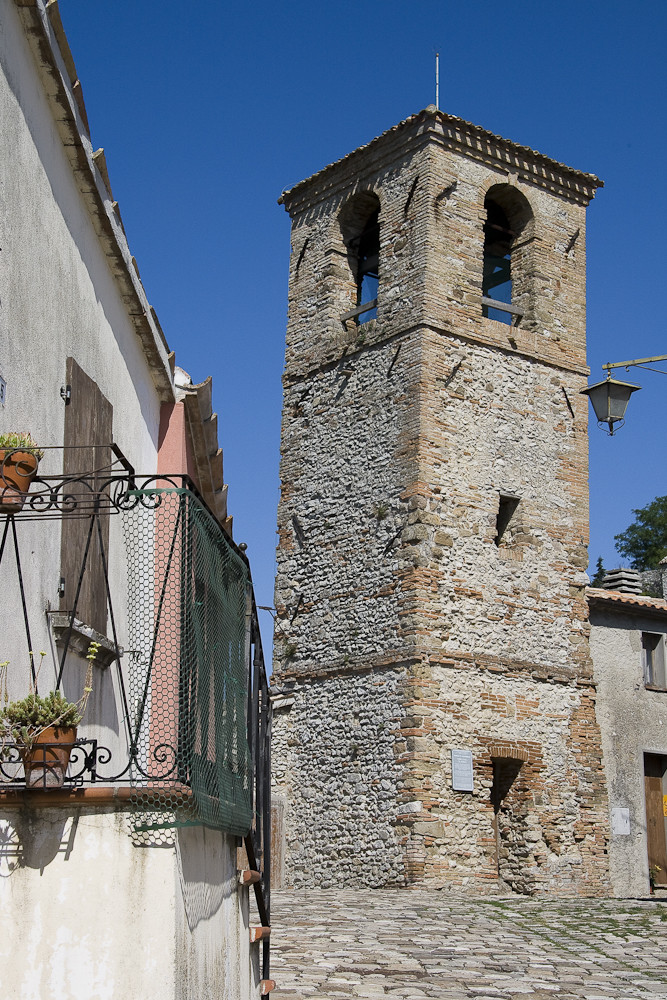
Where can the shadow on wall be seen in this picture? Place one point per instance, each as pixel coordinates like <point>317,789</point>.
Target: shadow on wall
<point>207,871</point>
<point>28,841</point>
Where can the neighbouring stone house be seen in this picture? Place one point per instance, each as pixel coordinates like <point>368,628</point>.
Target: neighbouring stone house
<point>628,635</point>
<point>434,691</point>
<point>124,880</point>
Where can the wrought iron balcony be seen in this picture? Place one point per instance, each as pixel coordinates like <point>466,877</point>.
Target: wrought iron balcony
<point>192,741</point>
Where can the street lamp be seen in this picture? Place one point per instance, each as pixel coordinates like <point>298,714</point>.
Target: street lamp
<point>610,398</point>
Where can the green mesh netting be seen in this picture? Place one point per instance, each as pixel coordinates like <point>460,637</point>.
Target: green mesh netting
<point>187,659</point>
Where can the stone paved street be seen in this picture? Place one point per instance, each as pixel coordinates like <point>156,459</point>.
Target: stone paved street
<point>410,944</point>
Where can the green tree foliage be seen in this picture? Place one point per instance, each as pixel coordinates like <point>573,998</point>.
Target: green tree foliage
<point>599,573</point>
<point>644,542</point>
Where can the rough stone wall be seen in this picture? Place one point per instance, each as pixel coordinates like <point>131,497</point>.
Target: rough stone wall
<point>493,423</point>
<point>399,437</point>
<point>553,818</point>
<point>334,761</point>
<point>347,438</point>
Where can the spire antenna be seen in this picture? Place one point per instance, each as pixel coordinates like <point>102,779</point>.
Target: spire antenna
<point>437,81</point>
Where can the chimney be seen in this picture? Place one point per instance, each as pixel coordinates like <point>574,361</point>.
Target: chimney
<point>627,581</point>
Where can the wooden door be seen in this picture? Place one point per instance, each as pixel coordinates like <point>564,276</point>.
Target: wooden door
<point>654,769</point>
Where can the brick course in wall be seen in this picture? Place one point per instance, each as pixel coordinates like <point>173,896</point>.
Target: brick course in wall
<point>405,626</point>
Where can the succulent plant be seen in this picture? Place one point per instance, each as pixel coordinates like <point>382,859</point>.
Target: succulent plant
<point>23,720</point>
<point>22,440</point>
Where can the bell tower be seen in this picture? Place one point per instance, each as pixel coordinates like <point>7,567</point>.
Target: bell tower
<point>434,696</point>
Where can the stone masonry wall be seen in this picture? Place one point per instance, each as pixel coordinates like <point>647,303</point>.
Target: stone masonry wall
<point>395,597</point>
<point>552,817</point>
<point>334,762</point>
<point>553,329</point>
<point>496,423</point>
<point>342,509</point>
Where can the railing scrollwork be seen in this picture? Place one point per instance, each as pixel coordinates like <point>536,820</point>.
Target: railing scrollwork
<point>179,665</point>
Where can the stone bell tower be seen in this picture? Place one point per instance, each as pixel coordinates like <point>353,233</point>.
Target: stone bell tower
<point>434,697</point>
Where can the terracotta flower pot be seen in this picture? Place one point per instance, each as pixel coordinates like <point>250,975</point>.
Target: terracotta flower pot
<point>17,471</point>
<point>45,761</point>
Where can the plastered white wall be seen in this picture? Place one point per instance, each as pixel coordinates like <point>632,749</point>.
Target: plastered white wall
<point>633,721</point>
<point>93,914</point>
<point>59,298</point>
<point>213,950</point>
<point>100,912</point>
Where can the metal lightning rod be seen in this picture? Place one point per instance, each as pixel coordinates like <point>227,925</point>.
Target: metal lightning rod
<point>437,81</point>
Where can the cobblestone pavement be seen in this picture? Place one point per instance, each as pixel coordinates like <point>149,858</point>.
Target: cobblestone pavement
<point>410,944</point>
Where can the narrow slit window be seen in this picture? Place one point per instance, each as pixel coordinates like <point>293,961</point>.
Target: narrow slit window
<point>360,227</point>
<point>497,278</point>
<point>368,261</point>
<point>653,648</point>
<point>507,505</point>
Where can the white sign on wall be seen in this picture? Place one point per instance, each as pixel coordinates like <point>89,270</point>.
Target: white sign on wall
<point>462,770</point>
<point>620,822</point>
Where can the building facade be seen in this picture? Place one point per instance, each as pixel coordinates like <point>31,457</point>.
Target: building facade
<point>435,713</point>
<point>628,635</point>
<point>119,575</point>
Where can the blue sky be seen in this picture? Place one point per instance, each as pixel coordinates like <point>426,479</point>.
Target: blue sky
<point>208,110</point>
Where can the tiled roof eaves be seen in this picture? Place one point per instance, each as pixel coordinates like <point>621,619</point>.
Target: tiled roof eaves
<point>590,181</point>
<point>615,599</point>
<point>203,423</point>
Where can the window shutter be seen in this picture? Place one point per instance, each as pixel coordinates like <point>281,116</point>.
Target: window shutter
<point>88,434</point>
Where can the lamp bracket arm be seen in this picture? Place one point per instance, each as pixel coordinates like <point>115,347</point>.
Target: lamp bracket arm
<point>634,362</point>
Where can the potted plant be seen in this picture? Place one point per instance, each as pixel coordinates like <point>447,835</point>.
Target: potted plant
<point>19,459</point>
<point>44,728</point>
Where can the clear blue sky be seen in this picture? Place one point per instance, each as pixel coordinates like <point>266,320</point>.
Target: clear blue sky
<point>208,110</point>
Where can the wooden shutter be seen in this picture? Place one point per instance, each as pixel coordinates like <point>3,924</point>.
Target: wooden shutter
<point>88,434</point>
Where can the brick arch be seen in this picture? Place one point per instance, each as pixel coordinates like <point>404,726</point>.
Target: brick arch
<point>507,235</point>
<point>521,750</point>
<point>513,769</point>
<point>511,752</point>
<point>356,211</point>
<point>500,181</point>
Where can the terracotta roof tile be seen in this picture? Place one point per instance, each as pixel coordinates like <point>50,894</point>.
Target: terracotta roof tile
<point>629,601</point>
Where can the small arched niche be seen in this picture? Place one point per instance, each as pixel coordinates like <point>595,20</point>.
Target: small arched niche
<point>507,271</point>
<point>359,221</point>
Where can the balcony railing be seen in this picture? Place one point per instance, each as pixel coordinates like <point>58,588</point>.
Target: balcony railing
<point>194,717</point>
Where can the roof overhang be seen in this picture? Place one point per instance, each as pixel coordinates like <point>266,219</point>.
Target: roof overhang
<point>616,602</point>
<point>46,37</point>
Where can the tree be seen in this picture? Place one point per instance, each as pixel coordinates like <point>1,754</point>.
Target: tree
<point>600,572</point>
<point>644,542</point>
